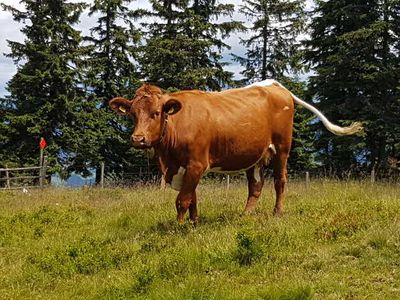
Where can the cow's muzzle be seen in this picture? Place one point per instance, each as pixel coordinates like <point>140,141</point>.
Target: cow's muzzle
<point>140,142</point>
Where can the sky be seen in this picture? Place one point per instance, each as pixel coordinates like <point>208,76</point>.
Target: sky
<point>10,30</point>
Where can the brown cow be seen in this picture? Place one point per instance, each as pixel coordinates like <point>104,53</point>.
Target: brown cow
<point>194,132</point>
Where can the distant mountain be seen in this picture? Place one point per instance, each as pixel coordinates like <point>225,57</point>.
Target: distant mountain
<point>73,181</point>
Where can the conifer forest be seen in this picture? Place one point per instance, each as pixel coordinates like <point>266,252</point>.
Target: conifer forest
<point>343,56</point>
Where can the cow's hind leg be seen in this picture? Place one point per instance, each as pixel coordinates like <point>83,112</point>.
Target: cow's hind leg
<point>193,209</point>
<point>255,178</point>
<point>280,178</point>
<point>186,199</point>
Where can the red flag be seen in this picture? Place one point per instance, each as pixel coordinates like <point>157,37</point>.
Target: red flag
<point>42,143</point>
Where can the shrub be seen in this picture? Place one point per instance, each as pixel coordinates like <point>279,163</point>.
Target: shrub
<point>144,280</point>
<point>248,250</point>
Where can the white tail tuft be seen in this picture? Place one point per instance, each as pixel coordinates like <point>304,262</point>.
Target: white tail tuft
<point>352,129</point>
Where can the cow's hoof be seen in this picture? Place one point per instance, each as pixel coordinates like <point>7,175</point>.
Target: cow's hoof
<point>277,212</point>
<point>248,212</point>
<point>195,221</point>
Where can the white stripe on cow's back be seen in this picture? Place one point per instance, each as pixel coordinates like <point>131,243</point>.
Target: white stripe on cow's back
<point>266,82</point>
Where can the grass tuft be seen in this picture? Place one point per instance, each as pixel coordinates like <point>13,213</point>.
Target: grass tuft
<point>248,249</point>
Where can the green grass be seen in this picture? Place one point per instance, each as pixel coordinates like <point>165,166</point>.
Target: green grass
<point>337,240</point>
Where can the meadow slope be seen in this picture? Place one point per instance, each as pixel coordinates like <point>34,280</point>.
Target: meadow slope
<point>337,240</point>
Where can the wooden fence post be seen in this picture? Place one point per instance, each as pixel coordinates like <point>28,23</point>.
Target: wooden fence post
<point>41,176</point>
<point>102,174</point>
<point>163,183</point>
<point>228,179</point>
<point>45,163</point>
<point>307,179</point>
<point>8,178</point>
<point>373,175</point>
<point>42,171</point>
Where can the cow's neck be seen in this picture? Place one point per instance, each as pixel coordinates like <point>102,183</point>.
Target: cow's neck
<point>167,139</point>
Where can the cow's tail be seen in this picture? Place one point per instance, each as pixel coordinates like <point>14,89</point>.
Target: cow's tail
<point>353,128</point>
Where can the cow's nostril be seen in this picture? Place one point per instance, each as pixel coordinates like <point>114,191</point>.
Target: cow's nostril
<point>138,139</point>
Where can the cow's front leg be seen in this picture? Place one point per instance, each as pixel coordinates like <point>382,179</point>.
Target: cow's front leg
<point>186,198</point>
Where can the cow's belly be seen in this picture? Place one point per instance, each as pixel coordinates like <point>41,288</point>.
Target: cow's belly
<point>229,165</point>
<point>235,164</point>
<point>233,160</point>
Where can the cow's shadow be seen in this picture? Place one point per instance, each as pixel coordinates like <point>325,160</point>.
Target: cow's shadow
<point>172,227</point>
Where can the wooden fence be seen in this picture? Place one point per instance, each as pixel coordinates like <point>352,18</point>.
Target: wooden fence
<point>19,178</point>
<point>26,177</point>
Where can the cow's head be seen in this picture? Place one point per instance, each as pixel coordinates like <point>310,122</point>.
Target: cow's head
<point>149,110</point>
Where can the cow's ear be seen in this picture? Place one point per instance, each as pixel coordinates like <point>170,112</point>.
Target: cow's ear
<point>120,105</point>
<point>172,106</point>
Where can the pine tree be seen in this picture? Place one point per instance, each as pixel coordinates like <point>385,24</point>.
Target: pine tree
<point>184,46</point>
<point>110,71</point>
<point>353,51</point>
<point>44,92</point>
<point>272,47</point>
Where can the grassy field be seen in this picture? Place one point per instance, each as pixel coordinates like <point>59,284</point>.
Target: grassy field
<point>335,241</point>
